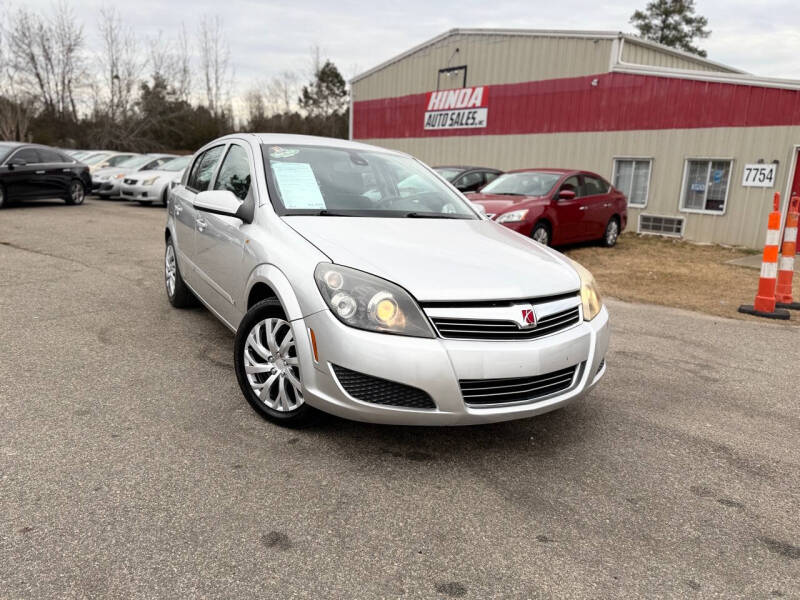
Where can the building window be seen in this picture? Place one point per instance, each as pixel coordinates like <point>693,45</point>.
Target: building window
<point>452,78</point>
<point>632,178</point>
<point>705,185</point>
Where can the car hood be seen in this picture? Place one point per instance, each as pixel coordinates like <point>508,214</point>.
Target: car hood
<point>497,203</point>
<point>140,175</point>
<point>442,259</point>
<point>110,171</point>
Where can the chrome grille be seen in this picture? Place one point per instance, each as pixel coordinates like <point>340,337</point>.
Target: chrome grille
<point>484,392</point>
<point>485,329</point>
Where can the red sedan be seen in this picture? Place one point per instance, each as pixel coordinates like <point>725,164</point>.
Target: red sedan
<point>556,206</point>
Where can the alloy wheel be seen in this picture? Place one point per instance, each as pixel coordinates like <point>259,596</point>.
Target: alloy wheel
<point>170,270</point>
<point>541,236</point>
<point>76,192</point>
<point>612,233</point>
<point>271,365</point>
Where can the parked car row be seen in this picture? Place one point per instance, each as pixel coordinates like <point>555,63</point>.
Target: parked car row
<point>35,171</point>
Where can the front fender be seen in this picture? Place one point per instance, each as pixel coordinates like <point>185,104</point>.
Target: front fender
<point>279,283</point>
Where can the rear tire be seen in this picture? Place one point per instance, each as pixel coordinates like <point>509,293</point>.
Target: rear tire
<point>2,196</point>
<point>178,293</point>
<point>541,233</point>
<point>611,233</point>
<point>267,367</point>
<point>76,193</point>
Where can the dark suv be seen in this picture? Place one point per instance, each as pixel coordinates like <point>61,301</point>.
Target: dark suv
<point>31,171</point>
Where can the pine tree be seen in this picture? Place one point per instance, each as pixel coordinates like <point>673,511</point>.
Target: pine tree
<point>672,23</point>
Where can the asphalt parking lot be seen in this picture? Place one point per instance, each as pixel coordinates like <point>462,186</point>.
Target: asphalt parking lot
<point>132,467</point>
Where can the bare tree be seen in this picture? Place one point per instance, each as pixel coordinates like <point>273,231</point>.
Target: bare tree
<point>214,64</point>
<point>16,106</point>
<point>46,56</point>
<point>122,66</point>
<point>170,60</point>
<point>282,91</point>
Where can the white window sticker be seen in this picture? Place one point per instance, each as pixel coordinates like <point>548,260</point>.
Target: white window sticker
<point>298,186</point>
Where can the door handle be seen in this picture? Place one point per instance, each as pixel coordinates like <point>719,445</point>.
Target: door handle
<point>201,224</point>
<point>39,172</point>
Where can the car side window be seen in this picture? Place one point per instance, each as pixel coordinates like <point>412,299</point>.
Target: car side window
<point>490,176</point>
<point>594,185</point>
<point>49,156</point>
<point>203,169</point>
<point>29,155</point>
<point>234,173</point>
<point>572,184</point>
<point>119,158</point>
<point>154,164</point>
<point>469,180</point>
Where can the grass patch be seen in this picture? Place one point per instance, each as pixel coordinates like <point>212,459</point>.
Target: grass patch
<point>644,268</point>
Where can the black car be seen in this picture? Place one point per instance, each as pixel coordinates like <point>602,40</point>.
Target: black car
<point>32,171</point>
<point>468,179</point>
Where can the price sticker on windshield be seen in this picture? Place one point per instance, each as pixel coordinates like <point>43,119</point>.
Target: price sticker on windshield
<point>759,175</point>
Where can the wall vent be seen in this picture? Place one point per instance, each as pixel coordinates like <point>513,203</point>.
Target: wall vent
<point>661,225</point>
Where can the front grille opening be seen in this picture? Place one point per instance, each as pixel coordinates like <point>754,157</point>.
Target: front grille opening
<point>381,391</point>
<point>474,329</point>
<point>484,392</point>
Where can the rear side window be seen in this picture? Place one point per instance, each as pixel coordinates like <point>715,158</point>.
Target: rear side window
<point>593,186</point>
<point>29,155</point>
<point>234,173</point>
<point>50,156</point>
<point>203,169</point>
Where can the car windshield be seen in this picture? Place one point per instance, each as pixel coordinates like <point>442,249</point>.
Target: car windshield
<point>328,181</point>
<point>176,164</point>
<point>135,162</point>
<point>526,183</point>
<point>448,173</point>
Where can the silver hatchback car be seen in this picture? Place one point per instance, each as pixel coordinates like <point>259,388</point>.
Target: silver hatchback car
<point>360,283</point>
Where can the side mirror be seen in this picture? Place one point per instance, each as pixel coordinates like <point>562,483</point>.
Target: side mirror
<point>220,202</point>
<point>480,208</point>
<point>566,195</point>
<point>16,162</point>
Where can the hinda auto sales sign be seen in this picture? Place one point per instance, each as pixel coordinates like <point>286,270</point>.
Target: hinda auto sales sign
<point>464,108</point>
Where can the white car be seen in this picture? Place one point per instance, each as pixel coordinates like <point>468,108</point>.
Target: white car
<point>153,185</point>
<point>106,182</point>
<point>349,297</point>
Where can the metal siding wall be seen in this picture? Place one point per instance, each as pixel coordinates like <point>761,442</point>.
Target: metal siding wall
<point>644,55</point>
<point>743,223</point>
<point>490,60</point>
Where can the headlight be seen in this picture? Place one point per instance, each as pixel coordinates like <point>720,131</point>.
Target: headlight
<point>364,301</point>
<point>513,216</point>
<point>119,175</point>
<point>150,181</point>
<point>590,296</point>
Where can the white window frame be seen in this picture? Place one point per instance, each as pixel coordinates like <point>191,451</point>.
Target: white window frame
<point>709,160</point>
<point>649,159</point>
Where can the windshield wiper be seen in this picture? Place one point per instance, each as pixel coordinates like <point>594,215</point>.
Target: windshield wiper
<point>432,215</point>
<point>506,193</point>
<point>326,213</point>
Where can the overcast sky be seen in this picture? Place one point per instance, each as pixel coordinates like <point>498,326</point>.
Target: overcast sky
<point>759,36</point>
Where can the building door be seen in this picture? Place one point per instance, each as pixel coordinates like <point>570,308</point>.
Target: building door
<point>795,189</point>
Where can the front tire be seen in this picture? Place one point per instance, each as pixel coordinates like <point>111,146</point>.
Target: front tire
<point>76,193</point>
<point>2,196</point>
<point>611,233</point>
<point>178,294</point>
<point>145,202</point>
<point>541,233</point>
<point>268,368</point>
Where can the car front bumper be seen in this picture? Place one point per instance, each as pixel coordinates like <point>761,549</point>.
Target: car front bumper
<point>144,193</point>
<point>435,366</point>
<point>107,188</point>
